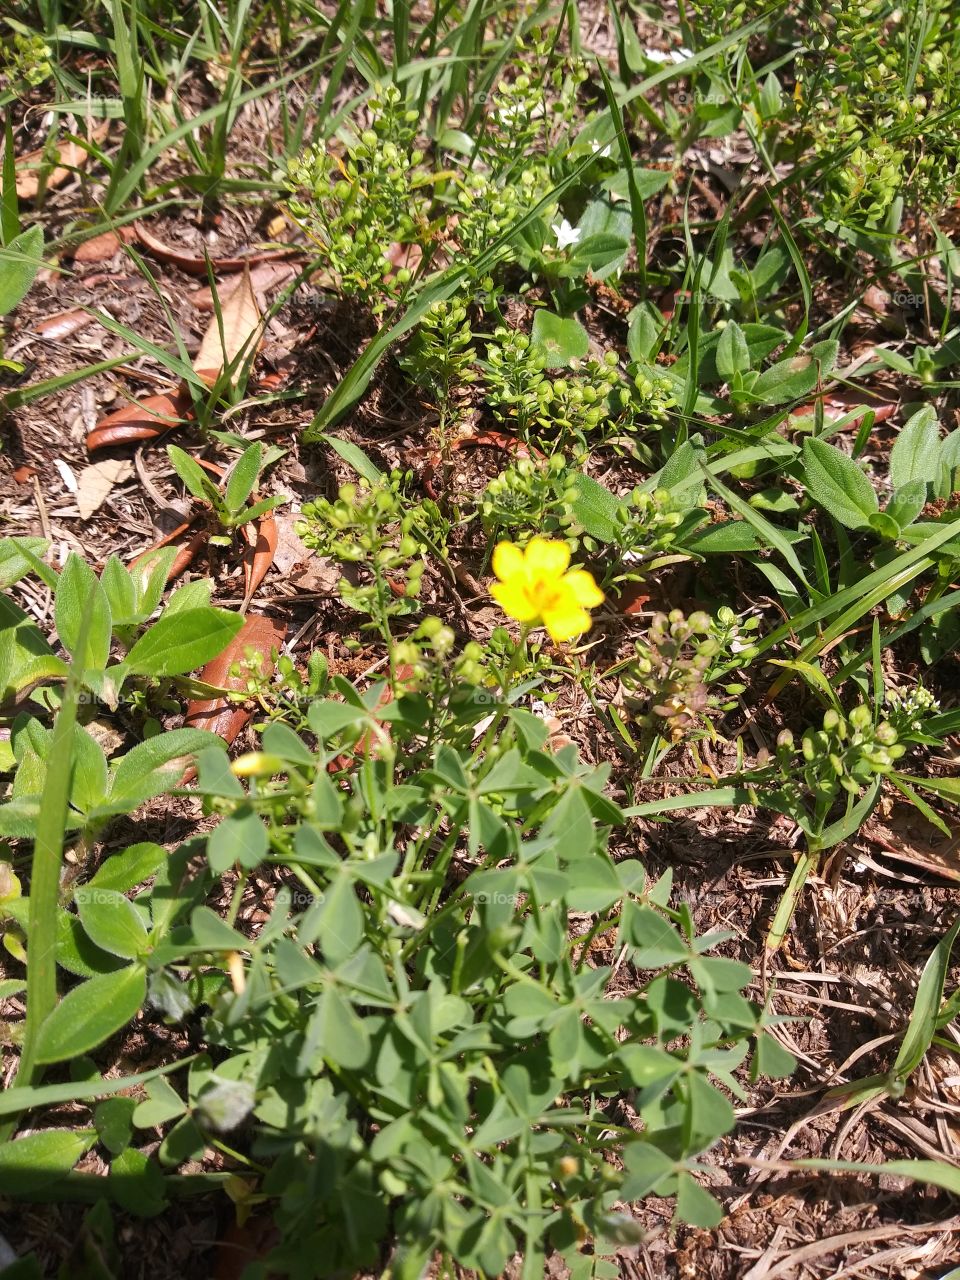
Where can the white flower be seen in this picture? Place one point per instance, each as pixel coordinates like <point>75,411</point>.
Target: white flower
<point>566,235</point>
<point>673,55</point>
<point>596,148</point>
<point>513,111</point>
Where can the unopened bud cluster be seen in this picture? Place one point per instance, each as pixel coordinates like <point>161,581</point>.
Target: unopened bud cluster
<point>847,752</point>
<point>678,661</point>
<point>379,529</point>
<point>354,207</point>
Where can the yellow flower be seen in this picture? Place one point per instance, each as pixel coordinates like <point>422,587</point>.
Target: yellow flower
<point>537,587</point>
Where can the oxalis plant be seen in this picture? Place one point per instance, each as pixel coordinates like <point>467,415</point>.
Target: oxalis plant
<point>424,1049</point>
<point>428,1039</point>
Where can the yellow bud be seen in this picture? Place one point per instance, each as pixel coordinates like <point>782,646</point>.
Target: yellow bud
<point>256,764</point>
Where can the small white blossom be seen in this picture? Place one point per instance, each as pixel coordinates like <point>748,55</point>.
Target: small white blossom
<point>673,55</point>
<point>565,233</point>
<point>596,148</point>
<point>509,114</point>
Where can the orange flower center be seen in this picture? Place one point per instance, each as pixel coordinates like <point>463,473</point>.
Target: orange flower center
<point>545,595</point>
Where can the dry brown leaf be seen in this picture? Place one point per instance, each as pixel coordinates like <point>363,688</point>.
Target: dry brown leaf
<point>297,564</point>
<point>258,635</point>
<point>269,275</point>
<point>63,324</point>
<point>240,317</point>
<point>195,266</point>
<point>70,156</point>
<point>95,482</point>
<point>102,247</point>
<point>144,420</point>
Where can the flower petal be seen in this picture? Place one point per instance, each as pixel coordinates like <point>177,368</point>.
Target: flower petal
<point>566,622</point>
<point>585,591</point>
<point>507,561</point>
<point>546,558</point>
<point>513,599</point>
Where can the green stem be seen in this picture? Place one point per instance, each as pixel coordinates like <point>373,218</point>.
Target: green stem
<point>45,879</point>
<point>503,707</point>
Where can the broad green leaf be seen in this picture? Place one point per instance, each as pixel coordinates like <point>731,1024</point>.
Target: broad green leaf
<point>884,525</point>
<point>120,591</point>
<point>91,1013</point>
<point>596,508</point>
<point>695,1205</point>
<point>838,485</point>
<point>162,1104</point>
<point>13,563</point>
<point>593,884</point>
<point>88,786</point>
<point>562,339</point>
<point>656,942</point>
<point>610,219</point>
<point>149,577</point>
<point>152,767</point>
<point>647,1167</point>
<point>114,1122</point>
<point>337,1033</point>
<point>243,478</point>
<point>137,1183</point>
<point>240,838</point>
<point>128,868</point>
<point>210,931</point>
<point>733,354</point>
<point>30,1163</point>
<point>197,481</point>
<point>336,919</point>
<point>796,376</point>
<point>709,1113</point>
<point>183,641</point>
<point>725,538</point>
<point>649,1069</point>
<point>78,591</point>
<point>916,451</point>
<point>111,921</point>
<point>20,261</point>
<point>907,503</point>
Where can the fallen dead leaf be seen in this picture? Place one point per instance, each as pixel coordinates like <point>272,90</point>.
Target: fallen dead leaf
<point>103,247</point>
<point>145,420</point>
<point>261,547</point>
<point>57,327</point>
<point>95,482</point>
<point>66,475</point>
<point>195,266</point>
<point>258,635</point>
<point>69,156</point>
<point>297,564</point>
<point>24,474</point>
<point>268,276</point>
<point>240,318</point>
